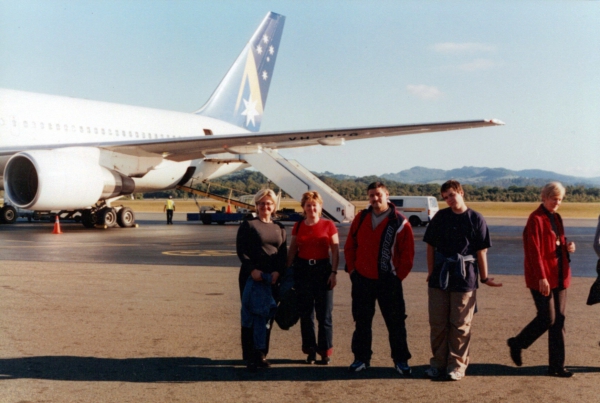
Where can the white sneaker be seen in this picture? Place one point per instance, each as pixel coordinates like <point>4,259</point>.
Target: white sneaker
<point>432,373</point>
<point>455,376</point>
<point>358,366</point>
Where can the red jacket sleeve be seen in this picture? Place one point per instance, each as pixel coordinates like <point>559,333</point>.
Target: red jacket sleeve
<point>534,261</point>
<point>404,251</point>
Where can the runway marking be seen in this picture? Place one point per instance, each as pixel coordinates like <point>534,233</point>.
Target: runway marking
<point>194,253</point>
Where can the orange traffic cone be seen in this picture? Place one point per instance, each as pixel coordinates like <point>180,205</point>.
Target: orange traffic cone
<point>57,226</point>
<point>228,211</point>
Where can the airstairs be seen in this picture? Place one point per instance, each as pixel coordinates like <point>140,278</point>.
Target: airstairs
<point>295,180</point>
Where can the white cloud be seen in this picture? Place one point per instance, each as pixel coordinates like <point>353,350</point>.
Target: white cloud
<point>477,64</point>
<point>426,92</point>
<point>462,48</point>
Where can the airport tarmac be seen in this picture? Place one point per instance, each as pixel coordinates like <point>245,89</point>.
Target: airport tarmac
<point>152,314</point>
<point>193,244</point>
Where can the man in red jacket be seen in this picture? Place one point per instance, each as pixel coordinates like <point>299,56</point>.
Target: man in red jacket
<point>379,254</point>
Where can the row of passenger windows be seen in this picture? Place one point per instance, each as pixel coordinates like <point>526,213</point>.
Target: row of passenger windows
<point>94,130</point>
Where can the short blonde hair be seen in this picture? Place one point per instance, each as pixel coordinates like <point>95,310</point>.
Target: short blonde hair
<point>261,194</point>
<point>553,189</point>
<point>311,196</point>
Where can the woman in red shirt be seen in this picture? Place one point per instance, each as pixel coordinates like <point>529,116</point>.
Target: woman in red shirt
<point>547,275</point>
<point>315,276</point>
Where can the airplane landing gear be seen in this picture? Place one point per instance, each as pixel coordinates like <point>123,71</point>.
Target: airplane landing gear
<point>8,214</point>
<point>89,219</point>
<point>109,216</point>
<point>126,217</point>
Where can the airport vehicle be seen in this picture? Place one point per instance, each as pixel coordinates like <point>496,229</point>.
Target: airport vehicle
<point>244,207</point>
<point>208,217</point>
<point>418,209</point>
<point>79,156</point>
<point>220,217</point>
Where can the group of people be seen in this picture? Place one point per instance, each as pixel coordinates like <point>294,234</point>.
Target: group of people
<point>379,253</point>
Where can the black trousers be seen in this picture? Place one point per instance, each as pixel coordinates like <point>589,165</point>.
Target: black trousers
<point>169,216</point>
<point>315,297</point>
<point>248,332</point>
<point>388,293</point>
<point>550,317</point>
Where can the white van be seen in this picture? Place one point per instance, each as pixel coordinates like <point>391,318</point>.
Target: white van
<point>418,209</point>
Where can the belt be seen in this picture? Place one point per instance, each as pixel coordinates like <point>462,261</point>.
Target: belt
<point>312,262</point>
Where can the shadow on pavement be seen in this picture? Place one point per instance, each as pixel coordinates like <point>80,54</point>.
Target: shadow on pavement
<point>191,369</point>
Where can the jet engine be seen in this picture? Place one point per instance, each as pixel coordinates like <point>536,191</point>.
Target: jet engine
<point>61,179</point>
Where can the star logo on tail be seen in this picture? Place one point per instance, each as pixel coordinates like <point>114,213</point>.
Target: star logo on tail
<point>250,112</point>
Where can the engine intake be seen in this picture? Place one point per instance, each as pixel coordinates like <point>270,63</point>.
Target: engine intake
<point>61,180</point>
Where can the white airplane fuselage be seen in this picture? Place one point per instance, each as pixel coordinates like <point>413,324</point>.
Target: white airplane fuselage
<point>31,121</point>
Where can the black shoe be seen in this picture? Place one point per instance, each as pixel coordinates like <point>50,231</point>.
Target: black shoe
<point>515,351</point>
<point>312,358</point>
<point>261,360</point>
<point>324,361</point>
<point>560,372</point>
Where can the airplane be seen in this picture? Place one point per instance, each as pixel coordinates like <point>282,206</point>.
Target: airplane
<point>80,156</point>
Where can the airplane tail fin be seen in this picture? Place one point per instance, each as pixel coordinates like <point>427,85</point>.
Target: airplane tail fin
<point>241,96</point>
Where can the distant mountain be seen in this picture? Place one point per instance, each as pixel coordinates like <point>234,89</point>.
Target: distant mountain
<point>481,176</point>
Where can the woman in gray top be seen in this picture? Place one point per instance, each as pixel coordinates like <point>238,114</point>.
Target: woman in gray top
<point>261,247</point>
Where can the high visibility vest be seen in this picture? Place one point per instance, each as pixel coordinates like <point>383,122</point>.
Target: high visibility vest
<point>170,204</point>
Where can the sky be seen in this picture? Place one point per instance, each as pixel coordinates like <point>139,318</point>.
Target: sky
<point>533,64</point>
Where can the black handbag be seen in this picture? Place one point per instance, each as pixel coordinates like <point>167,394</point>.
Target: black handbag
<point>287,312</point>
<point>594,296</point>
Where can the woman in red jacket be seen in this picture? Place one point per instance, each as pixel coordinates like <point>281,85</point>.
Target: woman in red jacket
<point>547,275</point>
<point>315,272</point>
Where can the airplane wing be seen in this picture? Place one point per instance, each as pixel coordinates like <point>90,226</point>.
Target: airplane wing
<point>199,147</point>
<point>184,149</point>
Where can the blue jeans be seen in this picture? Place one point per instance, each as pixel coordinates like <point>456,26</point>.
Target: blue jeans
<point>315,297</point>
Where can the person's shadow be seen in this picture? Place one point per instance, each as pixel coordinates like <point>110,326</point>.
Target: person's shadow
<point>171,369</point>
<point>505,370</point>
<point>197,369</point>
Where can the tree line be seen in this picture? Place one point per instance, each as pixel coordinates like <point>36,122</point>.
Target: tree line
<point>250,182</point>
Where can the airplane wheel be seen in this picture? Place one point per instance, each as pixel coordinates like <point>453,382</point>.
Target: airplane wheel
<point>107,216</point>
<point>126,217</point>
<point>8,215</point>
<point>414,221</point>
<point>88,219</point>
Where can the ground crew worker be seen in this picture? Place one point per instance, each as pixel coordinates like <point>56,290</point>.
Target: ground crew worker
<point>169,209</point>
